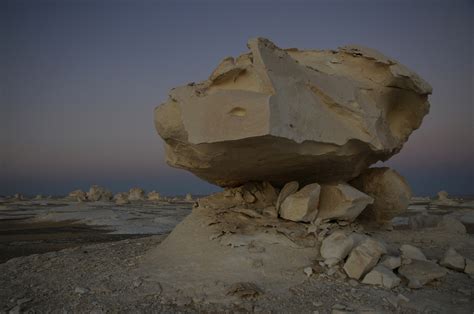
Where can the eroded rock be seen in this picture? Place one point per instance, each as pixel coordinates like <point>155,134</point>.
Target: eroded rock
<point>302,205</point>
<point>453,260</point>
<point>136,194</point>
<point>363,258</point>
<point>98,193</point>
<point>390,191</point>
<point>420,272</point>
<point>309,116</point>
<point>153,196</point>
<point>382,276</point>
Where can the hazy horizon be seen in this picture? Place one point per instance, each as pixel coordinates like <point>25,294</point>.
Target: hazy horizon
<point>80,80</point>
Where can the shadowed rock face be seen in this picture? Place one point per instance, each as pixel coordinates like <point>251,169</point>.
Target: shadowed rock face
<point>280,115</point>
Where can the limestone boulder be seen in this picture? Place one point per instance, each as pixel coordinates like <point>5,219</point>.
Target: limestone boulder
<point>302,205</point>
<point>279,115</point>
<point>453,260</point>
<point>77,195</point>
<point>382,276</point>
<point>188,197</point>
<point>337,246</point>
<point>121,198</point>
<point>390,191</point>
<point>288,189</point>
<point>363,258</point>
<point>410,252</point>
<point>341,202</point>
<point>418,272</point>
<point>136,194</point>
<point>443,199</point>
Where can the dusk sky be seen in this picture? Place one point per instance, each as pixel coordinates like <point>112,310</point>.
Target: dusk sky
<point>79,81</point>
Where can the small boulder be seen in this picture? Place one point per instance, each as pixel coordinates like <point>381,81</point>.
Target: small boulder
<point>341,202</point>
<point>363,258</point>
<point>443,199</point>
<point>410,252</point>
<point>420,272</point>
<point>287,190</point>
<point>153,196</point>
<point>453,260</point>
<point>381,276</point>
<point>337,246</point>
<point>391,262</point>
<point>390,191</point>
<point>188,198</point>
<point>302,205</point>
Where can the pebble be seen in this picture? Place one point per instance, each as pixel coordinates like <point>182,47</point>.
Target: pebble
<point>80,290</point>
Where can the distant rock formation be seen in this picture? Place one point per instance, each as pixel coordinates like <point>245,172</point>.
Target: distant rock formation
<point>77,195</point>
<point>154,196</point>
<point>98,193</point>
<point>136,194</point>
<point>279,115</point>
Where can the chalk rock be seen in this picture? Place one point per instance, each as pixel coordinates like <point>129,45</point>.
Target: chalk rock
<point>341,202</point>
<point>420,272</point>
<point>391,262</point>
<point>337,246</point>
<point>38,197</point>
<point>77,195</point>
<point>153,196</point>
<point>280,115</point>
<point>410,252</point>
<point>136,194</point>
<point>302,205</point>
<point>121,198</point>
<point>469,269</point>
<point>453,260</point>
<point>390,191</point>
<point>188,197</point>
<point>452,225</point>
<point>288,189</point>
<point>443,199</point>
<point>381,276</point>
<point>98,193</point>
<point>363,258</point>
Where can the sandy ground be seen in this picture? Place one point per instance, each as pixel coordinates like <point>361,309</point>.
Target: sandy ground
<point>105,277</point>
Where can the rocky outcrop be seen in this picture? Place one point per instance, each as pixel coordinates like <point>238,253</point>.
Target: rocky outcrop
<point>279,115</point>
<point>77,195</point>
<point>98,193</point>
<point>390,191</point>
<point>136,194</point>
<point>153,196</point>
<point>121,198</point>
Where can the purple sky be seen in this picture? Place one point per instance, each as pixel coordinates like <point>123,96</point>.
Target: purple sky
<point>79,81</point>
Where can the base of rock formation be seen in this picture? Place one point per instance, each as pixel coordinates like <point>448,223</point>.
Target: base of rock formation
<point>237,251</point>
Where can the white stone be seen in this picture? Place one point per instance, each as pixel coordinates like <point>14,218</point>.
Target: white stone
<point>420,272</point>
<point>363,258</point>
<point>308,271</point>
<point>412,252</point>
<point>341,202</point>
<point>288,189</point>
<point>453,260</point>
<point>390,191</point>
<point>188,197</point>
<point>302,205</point>
<point>391,262</point>
<point>309,116</point>
<point>381,276</point>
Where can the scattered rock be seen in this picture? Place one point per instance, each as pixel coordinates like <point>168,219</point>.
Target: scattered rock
<point>453,260</point>
<point>363,258</point>
<point>391,262</point>
<point>381,276</point>
<point>302,205</point>
<point>341,202</point>
<point>390,191</point>
<point>410,252</point>
<point>287,190</point>
<point>421,272</point>
<point>337,246</point>
<point>136,194</point>
<point>290,115</point>
<point>80,290</point>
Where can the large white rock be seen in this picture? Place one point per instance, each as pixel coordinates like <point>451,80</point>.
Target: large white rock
<point>337,246</point>
<point>390,191</point>
<point>302,205</point>
<point>341,202</point>
<point>288,189</point>
<point>280,115</point>
<point>363,258</point>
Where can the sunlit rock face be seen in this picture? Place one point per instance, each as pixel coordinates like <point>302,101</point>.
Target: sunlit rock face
<point>279,115</point>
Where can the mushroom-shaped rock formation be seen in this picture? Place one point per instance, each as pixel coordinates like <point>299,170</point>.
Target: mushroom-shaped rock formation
<point>278,115</point>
